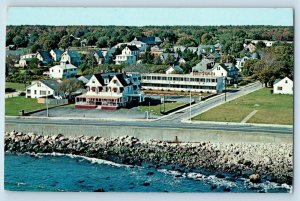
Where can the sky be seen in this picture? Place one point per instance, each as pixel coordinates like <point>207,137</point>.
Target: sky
<point>149,16</point>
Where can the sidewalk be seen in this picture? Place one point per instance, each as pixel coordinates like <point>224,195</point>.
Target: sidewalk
<point>236,123</point>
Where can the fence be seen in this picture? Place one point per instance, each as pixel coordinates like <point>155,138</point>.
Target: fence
<point>52,101</point>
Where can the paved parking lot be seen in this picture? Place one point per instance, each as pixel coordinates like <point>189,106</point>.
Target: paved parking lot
<point>133,113</point>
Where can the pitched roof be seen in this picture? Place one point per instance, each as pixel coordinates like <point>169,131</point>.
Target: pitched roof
<point>150,40</point>
<point>133,48</point>
<point>73,53</point>
<point>276,81</point>
<point>57,51</point>
<point>53,84</point>
<point>99,78</point>
<point>177,69</point>
<point>99,53</point>
<point>122,80</point>
<point>45,54</point>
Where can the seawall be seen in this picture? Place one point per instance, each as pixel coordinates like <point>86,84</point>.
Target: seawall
<point>145,133</point>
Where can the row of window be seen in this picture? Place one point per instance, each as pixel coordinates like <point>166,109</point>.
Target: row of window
<point>40,92</point>
<point>179,86</point>
<point>186,79</point>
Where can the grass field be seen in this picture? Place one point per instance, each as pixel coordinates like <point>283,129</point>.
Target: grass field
<point>14,105</point>
<point>156,108</point>
<point>271,109</point>
<point>17,86</point>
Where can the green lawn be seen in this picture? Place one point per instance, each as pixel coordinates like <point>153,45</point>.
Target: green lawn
<point>156,108</point>
<point>69,106</point>
<point>271,109</point>
<point>17,86</point>
<point>14,105</point>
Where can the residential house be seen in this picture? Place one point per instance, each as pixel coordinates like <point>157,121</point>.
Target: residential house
<point>171,57</point>
<point>283,86</point>
<point>98,54</point>
<point>28,56</point>
<point>182,61</point>
<point>109,91</point>
<point>218,47</point>
<point>205,49</point>
<point>193,49</point>
<point>203,65</point>
<point>266,42</point>
<point>156,51</point>
<point>43,88</point>
<point>132,50</point>
<point>139,44</point>
<point>72,57</point>
<point>129,56</point>
<point>250,47</point>
<point>149,40</point>
<point>174,70</point>
<point>44,56</point>
<point>56,54</point>
<point>196,82</point>
<point>62,71</point>
<point>177,48</point>
<point>213,56</point>
<point>84,78</point>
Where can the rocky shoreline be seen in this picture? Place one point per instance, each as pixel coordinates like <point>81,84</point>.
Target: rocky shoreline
<point>256,161</point>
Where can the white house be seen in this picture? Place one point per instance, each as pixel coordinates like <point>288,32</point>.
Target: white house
<point>72,57</point>
<point>283,86</point>
<point>139,44</point>
<point>128,56</point>
<point>63,71</point>
<point>109,91</point>
<point>43,88</point>
<point>56,54</point>
<point>28,56</point>
<point>174,70</point>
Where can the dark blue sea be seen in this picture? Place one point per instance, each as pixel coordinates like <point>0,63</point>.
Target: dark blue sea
<point>57,172</point>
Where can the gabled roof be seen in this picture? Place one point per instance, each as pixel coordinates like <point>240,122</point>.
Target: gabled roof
<point>58,52</point>
<point>99,53</point>
<point>279,80</point>
<point>150,40</point>
<point>45,54</point>
<point>133,48</point>
<point>99,78</point>
<point>122,80</point>
<point>73,53</point>
<point>176,68</point>
<point>53,84</point>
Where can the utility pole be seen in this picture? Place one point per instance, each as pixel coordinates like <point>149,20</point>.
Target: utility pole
<point>225,88</point>
<point>47,102</point>
<point>149,109</point>
<point>190,106</point>
<point>164,103</point>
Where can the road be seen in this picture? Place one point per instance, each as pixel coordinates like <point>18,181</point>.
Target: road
<point>210,103</point>
<point>151,124</point>
<point>170,121</point>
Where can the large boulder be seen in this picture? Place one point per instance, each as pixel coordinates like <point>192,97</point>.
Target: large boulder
<point>255,178</point>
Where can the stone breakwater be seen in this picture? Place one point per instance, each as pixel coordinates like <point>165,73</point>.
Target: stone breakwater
<point>256,161</point>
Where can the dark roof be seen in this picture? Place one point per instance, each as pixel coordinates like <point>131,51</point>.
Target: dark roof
<point>151,40</point>
<point>53,84</point>
<point>58,52</point>
<point>45,55</point>
<point>73,53</point>
<point>99,78</point>
<point>122,80</point>
<point>177,69</point>
<point>99,53</point>
<point>133,47</point>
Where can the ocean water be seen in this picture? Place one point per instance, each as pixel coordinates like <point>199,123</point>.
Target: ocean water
<point>57,172</point>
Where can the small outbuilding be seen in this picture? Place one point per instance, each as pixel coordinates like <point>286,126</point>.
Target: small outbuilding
<point>283,86</point>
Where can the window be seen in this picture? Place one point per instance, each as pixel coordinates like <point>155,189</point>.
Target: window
<point>286,81</point>
<point>34,91</point>
<point>93,81</point>
<point>279,88</point>
<point>52,70</point>
<point>39,84</point>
